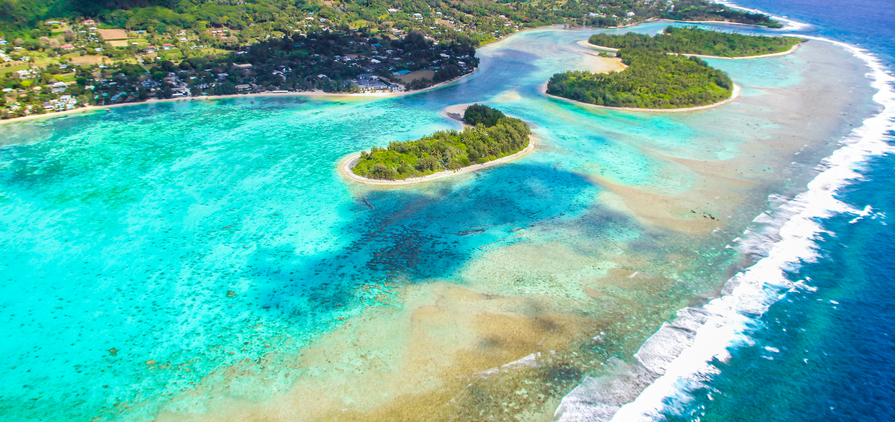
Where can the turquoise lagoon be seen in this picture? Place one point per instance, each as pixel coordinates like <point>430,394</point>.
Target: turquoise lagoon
<point>205,259</point>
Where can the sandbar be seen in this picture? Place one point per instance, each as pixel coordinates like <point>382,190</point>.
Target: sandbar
<point>456,112</point>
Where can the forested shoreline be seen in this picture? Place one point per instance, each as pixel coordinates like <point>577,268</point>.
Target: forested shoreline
<point>653,80</point>
<point>659,75</point>
<point>692,40</point>
<point>490,136</point>
<point>59,55</point>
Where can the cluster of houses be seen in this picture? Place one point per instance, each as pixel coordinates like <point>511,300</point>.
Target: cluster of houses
<point>369,82</point>
<point>65,102</point>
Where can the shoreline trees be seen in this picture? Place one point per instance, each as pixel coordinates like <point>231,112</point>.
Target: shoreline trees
<point>653,80</point>
<point>692,40</point>
<point>491,138</point>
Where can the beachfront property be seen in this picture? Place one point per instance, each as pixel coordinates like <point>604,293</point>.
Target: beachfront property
<point>63,103</point>
<point>331,73</point>
<point>58,87</point>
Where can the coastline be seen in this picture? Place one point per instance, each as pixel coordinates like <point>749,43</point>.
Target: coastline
<point>311,94</point>
<point>423,312</point>
<point>455,113</point>
<point>347,163</point>
<point>321,94</point>
<point>733,96</point>
<point>587,44</point>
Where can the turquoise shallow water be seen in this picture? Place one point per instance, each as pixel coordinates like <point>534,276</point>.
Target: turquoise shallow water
<point>148,247</point>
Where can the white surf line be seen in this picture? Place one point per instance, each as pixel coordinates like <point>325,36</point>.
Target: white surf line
<point>753,290</point>
<point>788,24</point>
<point>706,333</point>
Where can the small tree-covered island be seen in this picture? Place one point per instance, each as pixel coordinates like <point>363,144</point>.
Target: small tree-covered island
<point>692,40</point>
<point>659,75</point>
<point>491,135</point>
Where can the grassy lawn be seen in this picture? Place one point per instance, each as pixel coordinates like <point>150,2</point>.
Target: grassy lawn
<point>16,68</point>
<point>65,77</point>
<point>172,54</point>
<point>208,51</point>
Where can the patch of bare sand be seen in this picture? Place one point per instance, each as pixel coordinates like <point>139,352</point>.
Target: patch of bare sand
<point>455,111</point>
<point>419,74</point>
<point>87,60</point>
<point>112,34</point>
<point>599,64</point>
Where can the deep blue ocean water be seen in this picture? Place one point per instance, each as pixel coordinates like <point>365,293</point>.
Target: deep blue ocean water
<point>824,352</point>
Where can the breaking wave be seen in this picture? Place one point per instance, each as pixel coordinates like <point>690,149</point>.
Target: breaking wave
<point>679,356</point>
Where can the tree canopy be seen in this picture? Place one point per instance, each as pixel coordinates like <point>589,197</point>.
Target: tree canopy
<point>481,114</point>
<point>653,79</point>
<point>446,150</point>
<point>692,40</point>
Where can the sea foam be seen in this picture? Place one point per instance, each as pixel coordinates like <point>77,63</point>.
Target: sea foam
<point>788,24</point>
<point>677,358</point>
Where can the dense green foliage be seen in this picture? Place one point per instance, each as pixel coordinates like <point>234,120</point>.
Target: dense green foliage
<point>702,10</point>
<point>477,114</point>
<point>692,40</point>
<point>653,79</point>
<point>445,150</point>
<point>480,20</point>
<point>316,54</point>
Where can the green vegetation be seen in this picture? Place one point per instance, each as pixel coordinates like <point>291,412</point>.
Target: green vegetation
<point>480,20</point>
<point>477,114</point>
<point>658,78</point>
<point>701,10</point>
<point>653,79</point>
<point>692,40</point>
<point>203,47</point>
<point>448,150</point>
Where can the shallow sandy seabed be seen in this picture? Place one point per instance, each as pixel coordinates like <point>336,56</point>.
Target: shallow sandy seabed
<point>452,350</point>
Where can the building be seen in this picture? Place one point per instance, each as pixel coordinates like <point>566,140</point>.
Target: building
<point>368,85</point>
<point>59,87</point>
